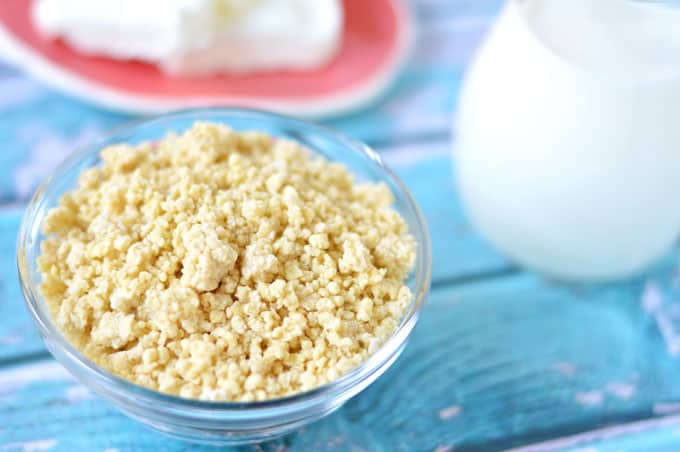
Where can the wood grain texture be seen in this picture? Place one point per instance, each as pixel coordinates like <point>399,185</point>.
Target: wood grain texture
<point>18,336</point>
<point>659,435</point>
<point>490,365</point>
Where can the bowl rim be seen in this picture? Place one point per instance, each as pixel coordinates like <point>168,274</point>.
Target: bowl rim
<point>422,270</point>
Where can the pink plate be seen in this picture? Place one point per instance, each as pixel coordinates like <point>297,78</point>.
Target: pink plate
<point>375,39</point>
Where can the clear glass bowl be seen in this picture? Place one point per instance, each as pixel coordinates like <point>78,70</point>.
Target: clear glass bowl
<point>222,423</point>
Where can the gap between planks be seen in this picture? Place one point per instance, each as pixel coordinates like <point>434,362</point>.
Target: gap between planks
<point>386,145</point>
<point>29,358</point>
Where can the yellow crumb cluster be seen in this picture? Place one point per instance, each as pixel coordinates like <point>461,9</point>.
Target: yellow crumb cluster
<point>225,266</point>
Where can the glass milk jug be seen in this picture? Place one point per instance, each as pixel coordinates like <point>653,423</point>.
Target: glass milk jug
<point>568,136</point>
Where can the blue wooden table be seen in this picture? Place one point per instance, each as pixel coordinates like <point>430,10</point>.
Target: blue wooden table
<point>501,358</point>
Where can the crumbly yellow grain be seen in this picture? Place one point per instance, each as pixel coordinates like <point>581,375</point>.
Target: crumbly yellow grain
<point>225,266</point>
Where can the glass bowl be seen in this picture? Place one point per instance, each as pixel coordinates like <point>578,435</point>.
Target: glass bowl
<point>222,423</point>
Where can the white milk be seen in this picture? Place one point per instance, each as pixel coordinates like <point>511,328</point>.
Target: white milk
<point>610,36</point>
<point>568,150</point>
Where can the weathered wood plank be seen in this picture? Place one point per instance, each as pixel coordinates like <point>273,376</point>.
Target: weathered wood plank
<point>42,127</point>
<point>491,365</point>
<point>18,336</point>
<point>658,435</point>
<point>457,251</point>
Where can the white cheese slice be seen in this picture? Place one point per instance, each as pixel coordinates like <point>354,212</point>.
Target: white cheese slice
<point>199,36</point>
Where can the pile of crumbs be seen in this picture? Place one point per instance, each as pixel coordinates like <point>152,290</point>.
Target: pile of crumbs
<point>225,265</point>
